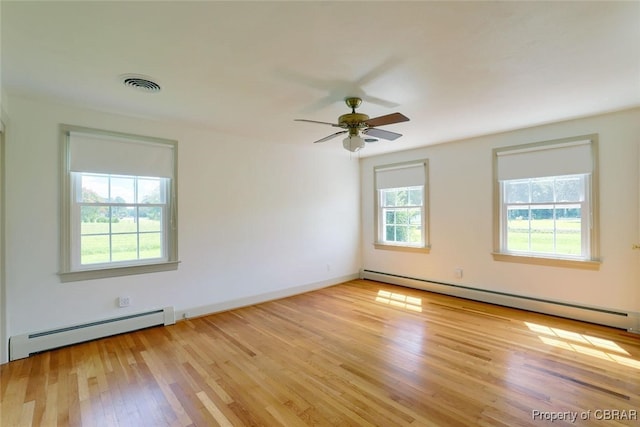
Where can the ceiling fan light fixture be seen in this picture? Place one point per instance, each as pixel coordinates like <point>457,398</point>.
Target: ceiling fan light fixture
<point>353,143</point>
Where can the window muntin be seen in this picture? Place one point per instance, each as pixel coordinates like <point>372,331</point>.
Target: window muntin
<point>401,210</point>
<point>546,216</point>
<point>118,219</point>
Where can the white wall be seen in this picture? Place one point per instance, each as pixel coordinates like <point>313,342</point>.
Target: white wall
<point>3,305</point>
<point>256,221</point>
<point>461,218</point>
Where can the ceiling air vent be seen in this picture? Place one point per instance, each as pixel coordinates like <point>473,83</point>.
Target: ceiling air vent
<point>140,82</point>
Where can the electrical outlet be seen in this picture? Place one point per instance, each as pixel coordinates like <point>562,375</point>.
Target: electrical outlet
<point>458,273</point>
<point>124,302</point>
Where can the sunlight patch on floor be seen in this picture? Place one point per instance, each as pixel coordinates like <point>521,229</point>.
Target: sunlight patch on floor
<point>396,299</point>
<point>583,344</point>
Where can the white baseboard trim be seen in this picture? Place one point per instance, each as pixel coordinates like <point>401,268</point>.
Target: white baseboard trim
<point>21,346</point>
<point>621,319</point>
<point>260,298</point>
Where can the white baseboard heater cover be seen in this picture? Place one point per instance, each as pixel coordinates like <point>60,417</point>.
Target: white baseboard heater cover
<point>602,316</point>
<point>22,346</point>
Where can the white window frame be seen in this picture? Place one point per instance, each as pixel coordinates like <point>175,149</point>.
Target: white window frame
<point>379,217</point>
<point>71,268</point>
<point>589,206</point>
<point>76,233</point>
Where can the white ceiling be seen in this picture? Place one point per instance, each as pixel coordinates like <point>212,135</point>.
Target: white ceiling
<point>457,69</point>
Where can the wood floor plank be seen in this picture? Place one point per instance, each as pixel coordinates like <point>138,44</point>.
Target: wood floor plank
<point>357,354</point>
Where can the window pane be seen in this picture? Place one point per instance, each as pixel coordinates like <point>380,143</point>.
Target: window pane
<point>390,217</point>
<point>402,197</point>
<point>516,191</point>
<point>150,218</point>
<point>94,219</point>
<point>569,189</point>
<point>569,215</point>
<point>150,245</point>
<point>402,217</point>
<point>150,190</point>
<point>569,230</point>
<point>123,189</point>
<point>94,249</point>
<point>569,242</point>
<point>542,230</point>
<point>542,190</point>
<point>401,234</point>
<point>390,233</point>
<point>415,217</point>
<point>415,234</point>
<point>124,247</point>
<point>388,197</point>
<point>95,188</point>
<point>542,242</point>
<point>415,196</point>
<point>518,240</point>
<point>518,229</point>
<point>517,213</point>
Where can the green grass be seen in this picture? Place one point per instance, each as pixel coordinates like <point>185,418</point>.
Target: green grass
<point>95,247</point>
<point>568,236</point>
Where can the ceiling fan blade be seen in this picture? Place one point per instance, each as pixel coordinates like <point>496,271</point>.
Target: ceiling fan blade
<point>380,133</point>
<point>379,101</point>
<point>321,104</point>
<point>326,138</point>
<point>315,121</point>
<point>387,120</point>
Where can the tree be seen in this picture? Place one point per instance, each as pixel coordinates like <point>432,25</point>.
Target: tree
<point>92,213</point>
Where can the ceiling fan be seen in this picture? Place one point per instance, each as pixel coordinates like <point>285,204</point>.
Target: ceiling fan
<point>356,123</point>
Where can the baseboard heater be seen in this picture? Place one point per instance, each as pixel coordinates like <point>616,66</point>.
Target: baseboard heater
<point>602,316</point>
<point>22,346</point>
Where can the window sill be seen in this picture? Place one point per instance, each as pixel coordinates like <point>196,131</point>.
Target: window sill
<point>554,262</point>
<point>423,249</point>
<point>74,276</point>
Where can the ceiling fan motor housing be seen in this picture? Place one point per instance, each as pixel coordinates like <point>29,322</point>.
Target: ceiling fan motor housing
<point>352,120</point>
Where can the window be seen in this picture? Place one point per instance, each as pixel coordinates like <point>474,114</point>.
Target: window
<point>401,215</point>
<point>118,218</point>
<point>545,200</point>
<point>401,212</point>
<point>119,204</point>
<point>547,215</point>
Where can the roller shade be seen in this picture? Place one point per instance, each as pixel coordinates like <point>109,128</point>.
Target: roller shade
<point>408,175</point>
<point>568,158</point>
<point>120,156</point>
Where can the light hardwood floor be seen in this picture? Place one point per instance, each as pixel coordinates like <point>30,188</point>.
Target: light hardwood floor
<point>360,353</point>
